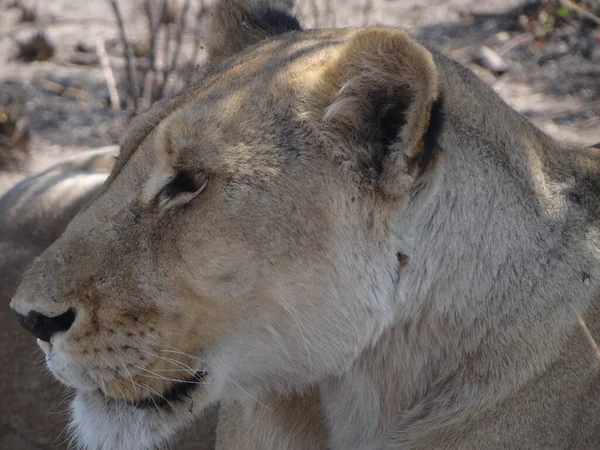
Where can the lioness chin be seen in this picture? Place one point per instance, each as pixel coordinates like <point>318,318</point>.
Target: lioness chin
<point>348,241</point>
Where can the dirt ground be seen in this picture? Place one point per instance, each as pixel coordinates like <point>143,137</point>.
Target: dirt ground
<point>543,60</point>
<point>551,67</point>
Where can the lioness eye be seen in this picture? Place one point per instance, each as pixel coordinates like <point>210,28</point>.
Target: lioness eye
<point>185,183</point>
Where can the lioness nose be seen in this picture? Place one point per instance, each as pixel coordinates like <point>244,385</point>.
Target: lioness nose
<point>44,327</point>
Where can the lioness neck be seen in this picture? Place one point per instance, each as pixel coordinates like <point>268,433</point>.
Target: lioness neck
<point>502,264</point>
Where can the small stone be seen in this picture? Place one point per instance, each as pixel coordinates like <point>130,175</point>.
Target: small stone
<point>503,36</point>
<point>491,60</point>
<point>84,59</point>
<point>82,47</point>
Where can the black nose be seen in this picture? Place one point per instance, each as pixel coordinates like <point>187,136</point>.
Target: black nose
<point>44,327</point>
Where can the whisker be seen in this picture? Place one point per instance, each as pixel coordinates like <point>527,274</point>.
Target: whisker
<point>40,356</point>
<point>159,377</point>
<point>588,335</point>
<point>248,393</point>
<point>175,380</point>
<point>65,412</point>
<point>144,115</point>
<point>104,389</point>
<point>172,361</point>
<point>280,343</point>
<point>68,437</point>
<point>66,397</point>
<point>170,348</point>
<point>153,401</point>
<point>179,352</point>
<point>134,384</point>
<point>291,313</point>
<point>123,396</point>
<point>149,389</point>
<point>139,113</point>
<point>128,374</point>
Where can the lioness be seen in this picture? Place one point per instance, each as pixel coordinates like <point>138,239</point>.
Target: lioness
<point>347,240</point>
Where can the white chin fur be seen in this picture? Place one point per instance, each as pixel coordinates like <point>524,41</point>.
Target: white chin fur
<point>101,424</point>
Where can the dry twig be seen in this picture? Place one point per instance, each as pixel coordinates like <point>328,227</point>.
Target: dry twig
<point>153,25</point>
<point>179,36</point>
<point>131,75</point>
<point>108,74</point>
<point>153,16</point>
<point>169,67</point>
<point>165,62</point>
<point>581,11</point>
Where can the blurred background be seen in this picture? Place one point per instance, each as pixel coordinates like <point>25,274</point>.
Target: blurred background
<point>72,73</point>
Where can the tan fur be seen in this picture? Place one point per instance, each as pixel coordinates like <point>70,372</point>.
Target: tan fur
<point>33,214</point>
<point>352,241</point>
<point>276,422</point>
<point>376,63</point>
<point>232,29</point>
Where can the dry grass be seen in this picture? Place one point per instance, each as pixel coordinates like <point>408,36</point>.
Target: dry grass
<point>163,69</point>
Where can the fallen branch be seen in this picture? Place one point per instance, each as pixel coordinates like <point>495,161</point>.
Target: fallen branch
<point>108,75</point>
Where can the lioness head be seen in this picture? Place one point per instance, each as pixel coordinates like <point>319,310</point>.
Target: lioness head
<point>243,242</point>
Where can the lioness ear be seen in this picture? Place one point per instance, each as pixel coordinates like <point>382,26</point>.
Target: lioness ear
<point>238,24</point>
<point>374,101</point>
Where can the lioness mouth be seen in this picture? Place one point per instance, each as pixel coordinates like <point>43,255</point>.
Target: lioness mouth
<point>176,393</point>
